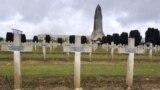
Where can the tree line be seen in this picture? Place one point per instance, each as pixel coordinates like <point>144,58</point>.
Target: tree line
<point>122,38</point>
<point>48,39</point>
<point>152,35</point>
<point>60,40</point>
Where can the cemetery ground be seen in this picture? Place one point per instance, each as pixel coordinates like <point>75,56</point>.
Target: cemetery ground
<point>57,71</point>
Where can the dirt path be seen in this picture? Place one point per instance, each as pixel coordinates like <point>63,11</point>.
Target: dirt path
<point>88,83</point>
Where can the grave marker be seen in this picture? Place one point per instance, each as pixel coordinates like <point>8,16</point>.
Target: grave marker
<point>77,48</point>
<point>90,53</point>
<point>66,49</point>
<point>112,50</point>
<point>17,61</point>
<point>17,47</point>
<point>130,61</point>
<point>50,47</point>
<point>77,64</point>
<point>105,46</point>
<point>150,50</point>
<point>156,48</point>
<point>44,49</point>
<point>44,45</point>
<point>35,46</point>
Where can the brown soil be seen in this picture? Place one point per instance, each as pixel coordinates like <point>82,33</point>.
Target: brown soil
<point>87,83</point>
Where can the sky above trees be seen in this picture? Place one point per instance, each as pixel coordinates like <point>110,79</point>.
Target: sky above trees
<point>68,17</point>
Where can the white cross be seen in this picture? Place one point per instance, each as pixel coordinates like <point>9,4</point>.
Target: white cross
<point>77,48</point>
<point>112,46</point>
<point>105,46</point>
<point>130,62</point>
<point>150,50</point>
<point>44,45</point>
<point>17,47</point>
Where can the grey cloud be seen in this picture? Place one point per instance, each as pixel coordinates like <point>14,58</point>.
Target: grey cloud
<point>140,11</point>
<point>33,11</point>
<point>37,10</point>
<point>65,16</point>
<point>6,10</point>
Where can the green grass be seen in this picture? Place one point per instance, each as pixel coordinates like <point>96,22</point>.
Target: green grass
<point>46,70</point>
<point>84,56</point>
<point>99,55</point>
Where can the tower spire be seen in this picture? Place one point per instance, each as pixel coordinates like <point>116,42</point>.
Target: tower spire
<point>98,26</point>
<point>98,7</point>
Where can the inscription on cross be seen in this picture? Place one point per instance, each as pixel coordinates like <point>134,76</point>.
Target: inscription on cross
<point>131,50</point>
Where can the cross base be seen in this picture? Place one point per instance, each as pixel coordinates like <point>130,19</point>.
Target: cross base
<point>128,88</point>
<point>78,89</point>
<point>17,89</point>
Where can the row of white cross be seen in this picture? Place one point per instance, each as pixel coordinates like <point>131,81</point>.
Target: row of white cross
<point>77,48</point>
<point>123,49</point>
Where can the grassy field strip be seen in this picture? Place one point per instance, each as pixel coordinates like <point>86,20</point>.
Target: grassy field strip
<point>46,70</point>
<point>63,56</point>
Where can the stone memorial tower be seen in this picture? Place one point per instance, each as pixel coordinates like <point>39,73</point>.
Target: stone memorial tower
<point>98,27</point>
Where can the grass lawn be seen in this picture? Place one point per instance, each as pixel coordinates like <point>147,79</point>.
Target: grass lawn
<point>47,70</point>
<point>58,54</point>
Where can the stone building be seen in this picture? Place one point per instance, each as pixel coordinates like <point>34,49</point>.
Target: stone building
<point>97,33</point>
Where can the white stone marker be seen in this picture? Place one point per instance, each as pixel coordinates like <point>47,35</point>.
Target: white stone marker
<point>150,50</point>
<point>95,46</point>
<point>90,53</point>
<point>50,47</point>
<point>77,64</point>
<point>44,45</point>
<point>77,48</point>
<point>112,50</point>
<point>156,49</point>
<point>16,47</point>
<point>105,46</point>
<point>17,62</point>
<point>66,49</point>
<point>44,49</point>
<point>130,62</point>
<point>35,46</point>
<point>90,56</point>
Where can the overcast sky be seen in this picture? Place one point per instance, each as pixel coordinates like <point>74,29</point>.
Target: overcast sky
<point>59,17</point>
